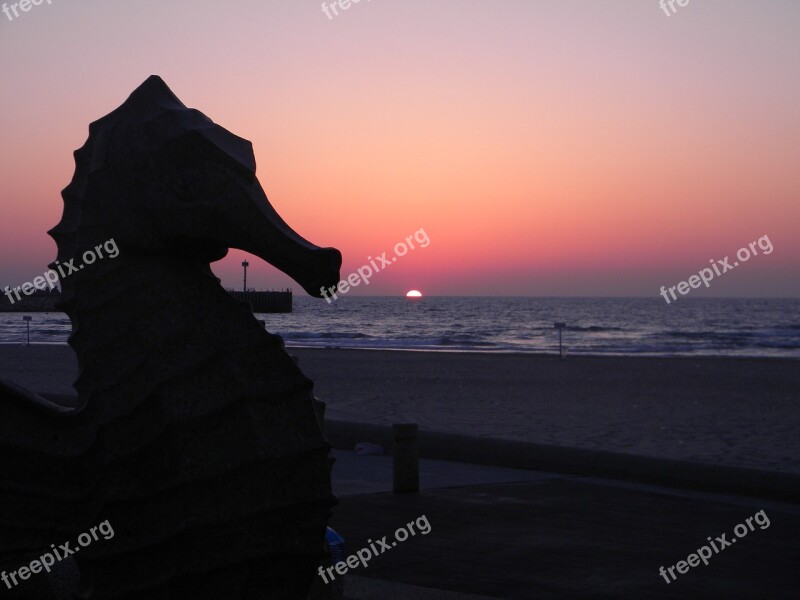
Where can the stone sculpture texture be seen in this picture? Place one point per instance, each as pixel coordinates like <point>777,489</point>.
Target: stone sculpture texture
<point>195,434</point>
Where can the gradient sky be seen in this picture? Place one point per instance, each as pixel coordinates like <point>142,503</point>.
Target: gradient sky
<point>547,148</point>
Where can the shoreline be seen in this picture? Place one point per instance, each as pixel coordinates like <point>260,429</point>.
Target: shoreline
<point>632,355</point>
<point>543,355</point>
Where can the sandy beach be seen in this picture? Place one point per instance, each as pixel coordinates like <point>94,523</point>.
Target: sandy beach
<point>737,412</point>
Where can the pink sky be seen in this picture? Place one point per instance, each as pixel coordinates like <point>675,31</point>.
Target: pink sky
<point>547,148</point>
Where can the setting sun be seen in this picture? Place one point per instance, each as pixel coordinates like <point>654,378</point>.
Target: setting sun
<point>414,294</point>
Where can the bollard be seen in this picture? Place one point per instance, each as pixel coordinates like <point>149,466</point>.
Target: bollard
<point>405,455</point>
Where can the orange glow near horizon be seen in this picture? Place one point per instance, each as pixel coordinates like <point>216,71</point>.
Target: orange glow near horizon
<point>546,148</point>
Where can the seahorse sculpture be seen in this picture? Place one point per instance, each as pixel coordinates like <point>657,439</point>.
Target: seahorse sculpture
<point>195,435</point>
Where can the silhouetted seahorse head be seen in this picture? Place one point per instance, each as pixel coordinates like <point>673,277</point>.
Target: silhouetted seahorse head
<point>162,179</point>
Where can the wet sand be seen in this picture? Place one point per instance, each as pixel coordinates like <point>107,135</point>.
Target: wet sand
<point>731,411</point>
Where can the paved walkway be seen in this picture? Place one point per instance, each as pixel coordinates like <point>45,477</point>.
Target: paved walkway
<point>503,533</point>
<point>517,534</point>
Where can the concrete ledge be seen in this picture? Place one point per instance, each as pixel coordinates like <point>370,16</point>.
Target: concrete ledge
<point>580,461</point>
<point>668,472</point>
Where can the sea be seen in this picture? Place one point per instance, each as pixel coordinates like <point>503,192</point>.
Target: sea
<point>592,326</point>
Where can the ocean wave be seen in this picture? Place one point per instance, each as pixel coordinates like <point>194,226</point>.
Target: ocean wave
<point>452,341</point>
<point>592,328</point>
<point>300,335</point>
<point>709,328</point>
